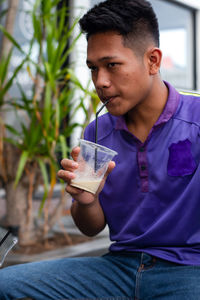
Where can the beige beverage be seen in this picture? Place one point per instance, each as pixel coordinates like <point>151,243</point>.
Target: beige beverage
<point>89,185</point>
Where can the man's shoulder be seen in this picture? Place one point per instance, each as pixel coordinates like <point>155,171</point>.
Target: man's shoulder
<point>189,108</point>
<point>106,124</point>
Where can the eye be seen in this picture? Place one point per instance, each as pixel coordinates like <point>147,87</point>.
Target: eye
<point>112,64</point>
<point>92,68</point>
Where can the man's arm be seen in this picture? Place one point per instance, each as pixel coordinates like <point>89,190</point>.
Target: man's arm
<point>89,218</point>
<point>86,209</point>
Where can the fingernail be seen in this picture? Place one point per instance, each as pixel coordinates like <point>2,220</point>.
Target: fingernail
<point>74,164</point>
<point>72,175</point>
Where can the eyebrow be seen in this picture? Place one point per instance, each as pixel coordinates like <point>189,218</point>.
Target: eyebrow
<point>104,58</point>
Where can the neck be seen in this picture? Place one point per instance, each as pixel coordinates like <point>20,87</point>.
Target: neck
<point>141,119</point>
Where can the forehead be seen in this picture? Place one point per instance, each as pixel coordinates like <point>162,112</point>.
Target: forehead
<point>108,44</point>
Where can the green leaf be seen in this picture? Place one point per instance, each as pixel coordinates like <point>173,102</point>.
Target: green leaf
<point>27,104</point>
<point>12,130</point>
<point>35,137</point>
<point>44,172</point>
<point>4,90</point>
<point>42,202</point>
<point>3,13</point>
<point>64,147</point>
<point>5,61</point>
<point>73,44</point>
<point>59,58</point>
<point>47,105</point>
<point>62,20</point>
<point>12,142</point>
<point>46,183</point>
<point>21,166</point>
<point>50,48</point>
<point>50,75</point>
<point>74,79</point>
<point>57,118</point>
<point>69,129</point>
<point>11,38</point>
<point>37,28</point>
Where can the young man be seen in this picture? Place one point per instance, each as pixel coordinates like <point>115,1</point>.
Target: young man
<point>149,197</point>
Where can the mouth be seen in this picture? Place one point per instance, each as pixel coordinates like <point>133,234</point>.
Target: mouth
<point>107,100</point>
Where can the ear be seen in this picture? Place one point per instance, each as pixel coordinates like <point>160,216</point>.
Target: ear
<point>154,60</point>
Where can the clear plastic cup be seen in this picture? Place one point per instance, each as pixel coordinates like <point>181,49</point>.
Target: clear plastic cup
<point>93,162</point>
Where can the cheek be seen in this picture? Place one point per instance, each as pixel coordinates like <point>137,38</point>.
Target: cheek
<point>129,81</point>
<point>125,77</point>
<point>93,78</point>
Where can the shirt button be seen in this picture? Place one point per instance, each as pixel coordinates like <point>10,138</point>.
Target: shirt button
<point>141,149</point>
<point>143,167</point>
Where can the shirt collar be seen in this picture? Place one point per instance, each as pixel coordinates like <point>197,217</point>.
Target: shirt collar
<point>168,112</point>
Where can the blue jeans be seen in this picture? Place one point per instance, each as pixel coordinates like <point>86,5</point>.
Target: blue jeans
<point>110,277</point>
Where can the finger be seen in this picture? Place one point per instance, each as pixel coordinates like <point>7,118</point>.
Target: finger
<point>75,153</point>
<point>80,195</point>
<point>111,166</point>
<point>67,176</point>
<point>69,164</point>
<point>73,191</point>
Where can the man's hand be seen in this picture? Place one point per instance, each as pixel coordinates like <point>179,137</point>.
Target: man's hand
<point>86,210</point>
<point>67,175</point>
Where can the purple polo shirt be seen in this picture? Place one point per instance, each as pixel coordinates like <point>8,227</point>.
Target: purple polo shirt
<point>151,200</point>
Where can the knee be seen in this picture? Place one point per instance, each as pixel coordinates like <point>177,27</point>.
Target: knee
<point>7,282</point>
<point>3,284</point>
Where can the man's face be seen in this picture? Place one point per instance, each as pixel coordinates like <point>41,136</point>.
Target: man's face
<point>117,73</point>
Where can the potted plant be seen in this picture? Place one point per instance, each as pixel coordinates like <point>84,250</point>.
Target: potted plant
<point>29,151</point>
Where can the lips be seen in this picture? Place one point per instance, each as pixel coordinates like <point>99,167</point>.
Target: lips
<point>107,98</point>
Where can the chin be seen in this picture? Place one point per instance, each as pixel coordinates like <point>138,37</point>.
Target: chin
<point>117,112</point>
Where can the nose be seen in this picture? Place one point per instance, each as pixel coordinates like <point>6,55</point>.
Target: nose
<point>102,80</point>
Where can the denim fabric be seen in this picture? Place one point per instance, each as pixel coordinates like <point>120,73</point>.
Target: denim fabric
<point>137,276</point>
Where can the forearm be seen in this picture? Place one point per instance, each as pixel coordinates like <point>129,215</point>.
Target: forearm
<point>89,218</point>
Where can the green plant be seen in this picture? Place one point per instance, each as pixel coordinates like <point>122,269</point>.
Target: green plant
<point>47,114</point>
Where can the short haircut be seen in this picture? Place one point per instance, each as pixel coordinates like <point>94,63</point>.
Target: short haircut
<point>134,20</point>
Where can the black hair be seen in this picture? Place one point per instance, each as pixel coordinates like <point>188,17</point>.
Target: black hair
<point>135,20</point>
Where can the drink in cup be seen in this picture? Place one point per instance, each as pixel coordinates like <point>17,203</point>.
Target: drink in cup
<point>93,162</point>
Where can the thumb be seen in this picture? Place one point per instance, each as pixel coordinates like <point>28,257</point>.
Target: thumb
<point>110,168</point>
